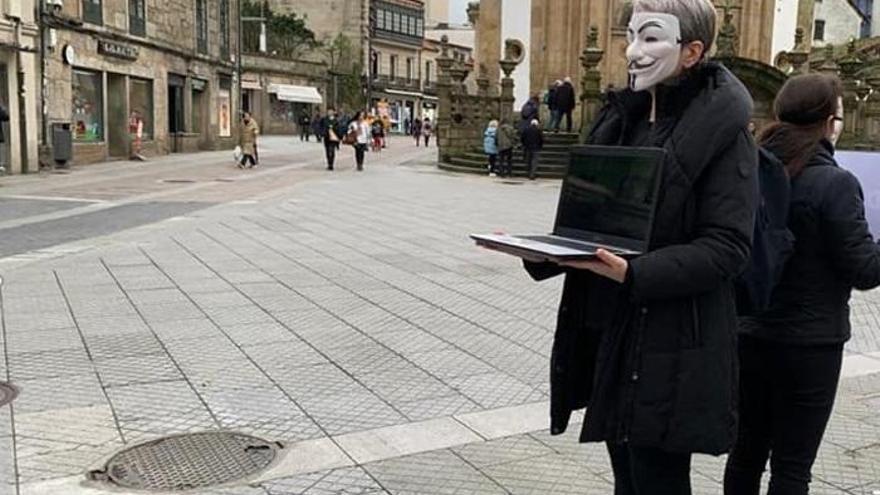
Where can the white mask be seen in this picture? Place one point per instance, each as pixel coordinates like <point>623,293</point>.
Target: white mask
<point>654,50</point>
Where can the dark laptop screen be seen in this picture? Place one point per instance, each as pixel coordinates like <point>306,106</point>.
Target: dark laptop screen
<point>609,192</point>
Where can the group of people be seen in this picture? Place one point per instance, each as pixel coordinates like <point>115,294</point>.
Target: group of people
<point>658,348</point>
<point>422,129</point>
<point>501,139</point>
<point>560,100</point>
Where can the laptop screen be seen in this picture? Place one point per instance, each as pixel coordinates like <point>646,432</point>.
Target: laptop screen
<point>609,194</point>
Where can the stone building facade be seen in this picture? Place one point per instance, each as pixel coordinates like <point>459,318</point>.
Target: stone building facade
<point>141,76</point>
<point>278,92</point>
<point>19,83</point>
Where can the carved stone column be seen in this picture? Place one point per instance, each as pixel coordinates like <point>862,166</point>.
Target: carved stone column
<point>849,68</point>
<point>872,111</point>
<point>447,105</point>
<point>488,38</point>
<point>591,82</point>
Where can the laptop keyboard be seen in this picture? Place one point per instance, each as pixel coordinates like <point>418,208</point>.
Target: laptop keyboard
<point>556,241</point>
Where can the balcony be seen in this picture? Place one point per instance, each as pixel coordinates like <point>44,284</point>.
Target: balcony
<point>430,88</point>
<point>383,82</point>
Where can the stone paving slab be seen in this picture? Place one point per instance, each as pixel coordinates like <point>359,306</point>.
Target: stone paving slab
<point>342,309</point>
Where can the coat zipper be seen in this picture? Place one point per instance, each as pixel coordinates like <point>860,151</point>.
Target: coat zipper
<point>635,365</point>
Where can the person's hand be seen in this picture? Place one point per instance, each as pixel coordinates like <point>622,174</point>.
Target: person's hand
<point>607,265</point>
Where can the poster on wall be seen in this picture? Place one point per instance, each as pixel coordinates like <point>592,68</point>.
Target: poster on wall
<point>224,107</point>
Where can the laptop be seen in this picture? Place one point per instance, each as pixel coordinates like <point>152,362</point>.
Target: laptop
<point>607,201</point>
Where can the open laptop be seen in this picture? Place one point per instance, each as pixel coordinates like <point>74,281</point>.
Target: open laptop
<point>607,202</point>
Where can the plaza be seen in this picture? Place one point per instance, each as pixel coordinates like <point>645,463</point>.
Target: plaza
<point>345,315</point>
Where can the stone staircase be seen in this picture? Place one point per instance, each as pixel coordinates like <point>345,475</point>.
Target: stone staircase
<point>552,163</point>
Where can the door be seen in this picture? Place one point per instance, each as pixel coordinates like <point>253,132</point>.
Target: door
<point>4,100</point>
<point>175,110</point>
<point>117,116</point>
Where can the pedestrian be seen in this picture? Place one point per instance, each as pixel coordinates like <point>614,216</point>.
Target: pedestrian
<point>407,126</point>
<point>529,112</point>
<point>565,103</point>
<point>551,99</point>
<point>305,127</point>
<point>649,342</point>
<point>490,146</point>
<point>330,136</point>
<point>427,130</point>
<point>316,126</point>
<point>507,139</point>
<point>417,131</point>
<point>359,129</point>
<point>378,133</point>
<point>247,139</point>
<point>791,354</point>
<point>533,143</point>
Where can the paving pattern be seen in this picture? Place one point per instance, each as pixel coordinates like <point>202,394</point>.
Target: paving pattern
<point>343,304</point>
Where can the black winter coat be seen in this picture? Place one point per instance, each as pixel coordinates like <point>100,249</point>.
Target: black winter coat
<point>533,138</point>
<point>654,358</point>
<point>565,97</point>
<point>834,252</point>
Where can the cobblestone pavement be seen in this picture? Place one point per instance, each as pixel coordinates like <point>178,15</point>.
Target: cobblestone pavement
<point>347,316</point>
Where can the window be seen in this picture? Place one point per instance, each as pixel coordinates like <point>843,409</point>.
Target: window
<point>88,106</point>
<point>380,20</point>
<point>420,27</point>
<point>224,106</point>
<point>375,64</point>
<point>282,111</point>
<point>202,26</point>
<point>199,86</point>
<point>819,30</point>
<point>140,100</point>
<point>427,72</point>
<point>393,66</point>
<point>224,29</point>
<point>409,69</point>
<point>137,17</point>
<point>93,11</point>
<point>396,27</point>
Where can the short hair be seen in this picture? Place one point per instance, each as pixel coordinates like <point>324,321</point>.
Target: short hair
<point>697,18</point>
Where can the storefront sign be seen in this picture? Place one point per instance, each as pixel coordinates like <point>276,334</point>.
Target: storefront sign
<point>118,50</point>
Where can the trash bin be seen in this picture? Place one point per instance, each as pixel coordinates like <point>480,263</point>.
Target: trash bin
<point>62,143</point>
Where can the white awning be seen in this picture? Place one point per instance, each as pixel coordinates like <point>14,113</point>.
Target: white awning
<point>403,93</point>
<point>298,94</point>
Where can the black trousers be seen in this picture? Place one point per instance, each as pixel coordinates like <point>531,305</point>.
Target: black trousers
<point>531,157</point>
<point>360,151</point>
<point>649,471</point>
<point>493,164</point>
<point>247,158</point>
<point>786,397</point>
<point>330,150</point>
<point>304,135</point>
<point>567,119</point>
<point>505,162</point>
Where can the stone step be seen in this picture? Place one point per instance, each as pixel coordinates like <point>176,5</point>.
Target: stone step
<point>560,159</point>
<point>472,166</point>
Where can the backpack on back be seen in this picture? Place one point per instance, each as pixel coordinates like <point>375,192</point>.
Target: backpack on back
<point>773,242</point>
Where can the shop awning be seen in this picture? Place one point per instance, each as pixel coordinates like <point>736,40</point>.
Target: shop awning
<point>404,93</point>
<point>298,94</point>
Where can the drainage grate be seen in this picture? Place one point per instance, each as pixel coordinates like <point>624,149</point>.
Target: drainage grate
<point>184,462</point>
<point>8,393</point>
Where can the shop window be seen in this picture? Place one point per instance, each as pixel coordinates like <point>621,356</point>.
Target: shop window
<point>93,11</point>
<point>282,111</point>
<point>202,26</point>
<point>224,29</point>
<point>224,106</point>
<point>137,17</point>
<point>88,106</point>
<point>140,100</point>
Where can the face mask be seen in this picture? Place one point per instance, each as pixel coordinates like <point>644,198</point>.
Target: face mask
<point>654,50</point>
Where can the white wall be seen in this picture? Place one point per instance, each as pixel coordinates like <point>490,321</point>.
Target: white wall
<point>784,26</point>
<point>516,23</point>
<point>842,21</point>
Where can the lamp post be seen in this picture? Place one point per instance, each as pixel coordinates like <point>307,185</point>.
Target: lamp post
<point>371,31</point>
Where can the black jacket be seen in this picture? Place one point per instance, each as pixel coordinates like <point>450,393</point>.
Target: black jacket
<point>654,358</point>
<point>533,138</point>
<point>565,98</point>
<point>551,99</point>
<point>834,252</point>
<point>530,111</point>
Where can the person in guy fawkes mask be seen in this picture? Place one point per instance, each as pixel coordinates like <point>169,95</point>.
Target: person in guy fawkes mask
<point>648,344</point>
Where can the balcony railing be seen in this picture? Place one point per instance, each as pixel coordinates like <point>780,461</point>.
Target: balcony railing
<point>399,83</point>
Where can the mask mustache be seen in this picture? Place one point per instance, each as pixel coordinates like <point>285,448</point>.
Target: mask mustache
<point>635,65</point>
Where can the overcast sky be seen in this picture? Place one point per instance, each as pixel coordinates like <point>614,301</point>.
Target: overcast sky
<point>458,11</point>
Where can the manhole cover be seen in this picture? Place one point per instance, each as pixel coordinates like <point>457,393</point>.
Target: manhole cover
<point>184,462</point>
<point>8,393</point>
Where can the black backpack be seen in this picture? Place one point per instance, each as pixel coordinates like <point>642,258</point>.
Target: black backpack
<point>773,242</point>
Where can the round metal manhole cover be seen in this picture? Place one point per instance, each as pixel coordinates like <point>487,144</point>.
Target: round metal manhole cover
<point>8,393</point>
<point>185,462</point>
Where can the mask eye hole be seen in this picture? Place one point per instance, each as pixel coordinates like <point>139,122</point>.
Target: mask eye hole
<point>651,39</point>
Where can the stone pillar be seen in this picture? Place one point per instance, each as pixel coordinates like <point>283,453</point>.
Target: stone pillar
<point>872,112</point>
<point>446,104</point>
<point>849,68</point>
<point>806,12</point>
<point>591,84</point>
<point>488,39</point>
